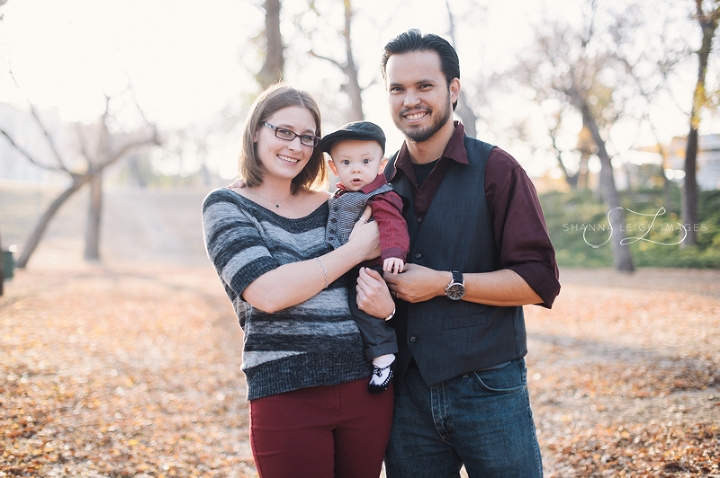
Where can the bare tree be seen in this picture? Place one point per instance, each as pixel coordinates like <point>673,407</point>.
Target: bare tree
<point>95,165</point>
<point>572,68</point>
<point>708,22</point>
<point>94,217</point>
<point>348,66</point>
<point>272,69</point>
<point>650,73</point>
<point>463,110</point>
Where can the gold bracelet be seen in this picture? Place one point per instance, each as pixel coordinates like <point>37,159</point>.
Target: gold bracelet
<point>325,274</point>
<point>391,315</point>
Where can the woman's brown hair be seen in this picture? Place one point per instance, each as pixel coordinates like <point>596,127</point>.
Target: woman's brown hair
<point>273,99</point>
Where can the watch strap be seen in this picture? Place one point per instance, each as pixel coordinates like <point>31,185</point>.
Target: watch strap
<point>457,277</point>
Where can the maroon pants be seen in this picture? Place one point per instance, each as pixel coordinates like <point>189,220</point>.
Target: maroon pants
<point>321,432</point>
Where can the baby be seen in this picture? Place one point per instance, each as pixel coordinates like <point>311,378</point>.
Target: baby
<point>357,157</point>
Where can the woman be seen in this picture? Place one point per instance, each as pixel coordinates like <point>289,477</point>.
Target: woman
<point>310,411</point>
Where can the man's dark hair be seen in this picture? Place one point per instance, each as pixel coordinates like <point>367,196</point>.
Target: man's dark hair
<point>414,40</point>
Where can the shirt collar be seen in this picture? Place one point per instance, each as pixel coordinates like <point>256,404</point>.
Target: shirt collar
<point>377,182</point>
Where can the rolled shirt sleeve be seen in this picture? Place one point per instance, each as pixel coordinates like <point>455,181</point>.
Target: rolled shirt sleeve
<point>521,235</point>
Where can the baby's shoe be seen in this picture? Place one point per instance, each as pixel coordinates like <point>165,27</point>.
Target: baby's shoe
<point>380,380</point>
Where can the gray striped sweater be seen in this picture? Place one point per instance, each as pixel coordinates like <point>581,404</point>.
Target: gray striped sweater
<point>310,344</point>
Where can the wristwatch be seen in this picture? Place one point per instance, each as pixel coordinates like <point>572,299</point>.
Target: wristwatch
<point>455,290</point>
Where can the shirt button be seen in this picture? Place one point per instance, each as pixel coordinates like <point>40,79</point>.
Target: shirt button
<point>413,338</point>
<point>418,255</point>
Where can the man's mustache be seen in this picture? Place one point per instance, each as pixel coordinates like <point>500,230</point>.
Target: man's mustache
<point>415,109</point>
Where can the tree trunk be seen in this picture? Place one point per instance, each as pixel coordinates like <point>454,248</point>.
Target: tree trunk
<point>667,196</point>
<point>622,259</point>
<point>94,219</point>
<point>272,69</point>
<point>467,115</point>
<point>708,24</point>
<point>350,69</point>
<point>463,109</point>
<point>2,271</point>
<point>690,190</point>
<point>37,233</point>
<point>570,179</point>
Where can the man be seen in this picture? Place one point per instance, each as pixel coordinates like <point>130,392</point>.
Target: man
<point>479,251</point>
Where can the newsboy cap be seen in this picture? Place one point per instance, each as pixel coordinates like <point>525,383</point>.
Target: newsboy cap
<point>362,130</point>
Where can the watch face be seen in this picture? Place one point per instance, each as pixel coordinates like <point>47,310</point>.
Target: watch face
<point>455,291</point>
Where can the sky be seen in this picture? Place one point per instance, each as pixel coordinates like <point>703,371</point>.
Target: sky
<point>184,60</point>
<point>187,61</point>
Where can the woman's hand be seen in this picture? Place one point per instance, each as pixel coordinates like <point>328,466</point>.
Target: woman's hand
<point>239,183</point>
<point>365,236</point>
<point>373,296</point>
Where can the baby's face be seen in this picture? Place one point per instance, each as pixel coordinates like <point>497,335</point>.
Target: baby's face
<point>356,162</point>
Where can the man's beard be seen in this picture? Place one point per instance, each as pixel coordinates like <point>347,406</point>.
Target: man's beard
<point>417,135</point>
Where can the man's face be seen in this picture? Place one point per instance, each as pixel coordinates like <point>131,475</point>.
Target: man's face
<point>419,96</point>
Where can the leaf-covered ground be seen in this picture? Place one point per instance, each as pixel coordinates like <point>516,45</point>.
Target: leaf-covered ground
<point>127,370</point>
<point>624,374</point>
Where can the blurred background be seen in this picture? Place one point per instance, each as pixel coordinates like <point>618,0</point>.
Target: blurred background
<point>119,352</point>
<point>116,118</point>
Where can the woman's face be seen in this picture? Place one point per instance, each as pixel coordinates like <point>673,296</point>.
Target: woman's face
<point>283,159</point>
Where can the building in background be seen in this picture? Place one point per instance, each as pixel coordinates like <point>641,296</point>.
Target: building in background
<point>708,160</point>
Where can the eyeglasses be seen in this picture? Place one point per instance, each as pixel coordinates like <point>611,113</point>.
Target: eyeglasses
<point>283,133</point>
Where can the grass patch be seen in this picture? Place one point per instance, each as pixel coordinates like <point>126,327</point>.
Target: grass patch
<point>579,229</point>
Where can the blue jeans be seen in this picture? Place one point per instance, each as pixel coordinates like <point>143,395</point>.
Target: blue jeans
<point>481,420</point>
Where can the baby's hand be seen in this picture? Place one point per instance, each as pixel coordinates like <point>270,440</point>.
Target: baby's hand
<point>394,265</point>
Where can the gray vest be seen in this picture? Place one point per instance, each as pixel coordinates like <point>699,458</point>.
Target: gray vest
<point>449,338</point>
<point>345,211</point>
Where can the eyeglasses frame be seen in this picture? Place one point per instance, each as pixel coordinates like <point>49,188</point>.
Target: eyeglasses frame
<point>315,139</point>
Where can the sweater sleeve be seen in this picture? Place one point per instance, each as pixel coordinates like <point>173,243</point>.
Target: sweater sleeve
<point>233,242</point>
<point>394,238</point>
<point>521,235</point>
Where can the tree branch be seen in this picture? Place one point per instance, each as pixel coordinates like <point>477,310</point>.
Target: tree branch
<point>104,135</point>
<point>49,139</point>
<point>30,158</point>
<point>331,60</point>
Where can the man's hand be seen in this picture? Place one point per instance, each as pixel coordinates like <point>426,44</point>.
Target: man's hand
<point>417,283</point>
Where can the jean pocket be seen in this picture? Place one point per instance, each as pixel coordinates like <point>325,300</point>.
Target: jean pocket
<point>509,379</point>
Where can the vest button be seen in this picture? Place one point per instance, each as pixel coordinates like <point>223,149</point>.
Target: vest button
<point>333,220</point>
<point>413,338</point>
<point>419,219</point>
<point>418,255</point>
